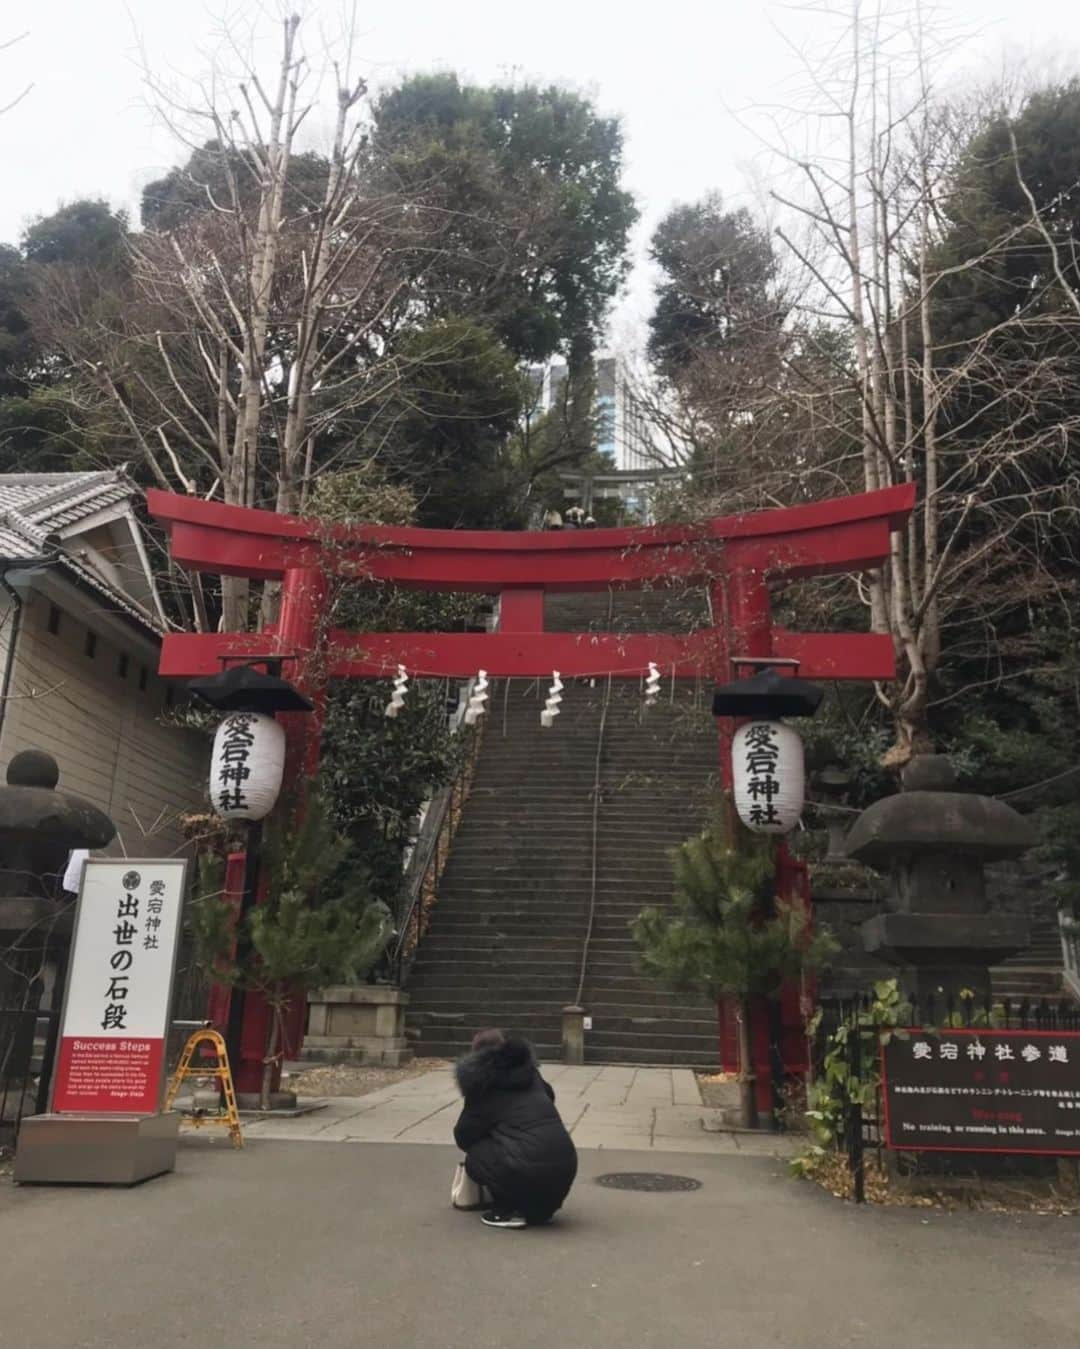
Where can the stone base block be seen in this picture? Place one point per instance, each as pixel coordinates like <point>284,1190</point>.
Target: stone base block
<point>95,1149</point>
<point>945,954</point>
<point>361,1024</point>
<point>279,1101</point>
<point>367,1053</point>
<point>946,938</point>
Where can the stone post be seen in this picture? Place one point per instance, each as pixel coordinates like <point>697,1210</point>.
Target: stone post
<point>573,1034</point>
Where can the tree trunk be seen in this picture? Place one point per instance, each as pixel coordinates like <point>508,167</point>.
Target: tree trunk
<point>272,1039</point>
<point>235,594</point>
<point>748,1116</point>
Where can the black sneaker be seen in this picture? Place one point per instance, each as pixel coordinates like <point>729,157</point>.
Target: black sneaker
<point>495,1219</point>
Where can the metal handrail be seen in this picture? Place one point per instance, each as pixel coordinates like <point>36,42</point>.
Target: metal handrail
<point>1070,953</point>
<point>595,869</point>
<point>429,857</point>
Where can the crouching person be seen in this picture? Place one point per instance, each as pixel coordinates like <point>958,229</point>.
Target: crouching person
<point>516,1146</point>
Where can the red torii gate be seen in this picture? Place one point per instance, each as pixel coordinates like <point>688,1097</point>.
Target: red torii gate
<point>736,557</point>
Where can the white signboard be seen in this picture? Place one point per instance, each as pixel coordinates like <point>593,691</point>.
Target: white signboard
<point>116,1012</point>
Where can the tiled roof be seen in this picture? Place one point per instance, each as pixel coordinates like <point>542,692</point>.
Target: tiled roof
<point>34,507</point>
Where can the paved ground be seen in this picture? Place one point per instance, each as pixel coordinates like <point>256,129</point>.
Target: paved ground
<point>654,1108</point>
<point>287,1246</point>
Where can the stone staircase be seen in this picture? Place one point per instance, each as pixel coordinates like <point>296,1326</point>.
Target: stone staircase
<point>1035,972</point>
<point>507,936</point>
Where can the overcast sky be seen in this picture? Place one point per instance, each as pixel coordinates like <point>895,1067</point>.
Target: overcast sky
<point>672,69</point>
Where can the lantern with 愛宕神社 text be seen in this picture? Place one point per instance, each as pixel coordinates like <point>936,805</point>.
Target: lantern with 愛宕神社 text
<point>768,774</point>
<point>246,766</point>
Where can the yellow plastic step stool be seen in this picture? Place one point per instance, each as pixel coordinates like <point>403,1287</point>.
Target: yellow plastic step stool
<point>230,1116</point>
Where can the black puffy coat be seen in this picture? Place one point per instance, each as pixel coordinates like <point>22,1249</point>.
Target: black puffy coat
<point>515,1144</point>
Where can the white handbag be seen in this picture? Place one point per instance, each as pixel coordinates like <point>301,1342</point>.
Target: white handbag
<point>465,1194</point>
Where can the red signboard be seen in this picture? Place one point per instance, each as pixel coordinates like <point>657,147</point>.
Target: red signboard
<point>116,1012</point>
<point>975,1090</point>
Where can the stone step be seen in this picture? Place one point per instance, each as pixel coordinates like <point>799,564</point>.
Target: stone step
<point>465,896</point>
<point>1042,957</point>
<point>1031,982</point>
<point>496,937</point>
<point>521,826</point>
<point>570,916</point>
<point>690,1025</point>
<point>560,860</point>
<point>631,1002</point>
<point>563,854</point>
<point>648,1056</point>
<point>488,905</point>
<point>564,923</point>
<point>577,811</point>
<point>565,901</point>
<point>487,972</point>
<point>566,908</point>
<point>469,930</point>
<point>439,986</point>
<point>457,1005</point>
<point>547,1051</point>
<point>488,1012</point>
<point>665,779</point>
<point>508,945</point>
<point>574,816</point>
<point>512,889</point>
<point>566,920</point>
<point>550,1051</point>
<point>657,1038</point>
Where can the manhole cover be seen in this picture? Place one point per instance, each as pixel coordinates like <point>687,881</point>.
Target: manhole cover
<point>652,1181</point>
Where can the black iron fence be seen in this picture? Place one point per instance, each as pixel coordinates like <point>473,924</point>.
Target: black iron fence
<point>27,1051</point>
<point>191,993</point>
<point>958,1012</point>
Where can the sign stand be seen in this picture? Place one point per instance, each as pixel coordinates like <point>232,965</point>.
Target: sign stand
<point>230,1116</point>
<point>105,1126</point>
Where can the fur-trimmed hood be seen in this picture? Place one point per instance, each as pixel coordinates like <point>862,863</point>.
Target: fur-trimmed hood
<point>510,1066</point>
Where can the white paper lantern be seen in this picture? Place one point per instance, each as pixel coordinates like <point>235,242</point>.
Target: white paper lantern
<point>247,765</point>
<point>769,774</point>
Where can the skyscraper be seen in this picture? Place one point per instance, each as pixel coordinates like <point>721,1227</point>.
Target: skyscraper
<point>623,428</point>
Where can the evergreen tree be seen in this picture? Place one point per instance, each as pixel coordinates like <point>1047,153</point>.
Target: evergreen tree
<point>528,180</point>
<point>719,287</point>
<point>317,925</point>
<point>730,936</point>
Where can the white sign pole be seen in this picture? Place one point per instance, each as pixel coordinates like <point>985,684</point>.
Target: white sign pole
<point>113,1030</point>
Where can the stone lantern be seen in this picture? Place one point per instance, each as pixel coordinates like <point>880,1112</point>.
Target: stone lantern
<point>933,843</point>
<point>39,827</point>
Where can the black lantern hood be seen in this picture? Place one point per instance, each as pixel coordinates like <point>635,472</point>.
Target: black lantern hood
<point>245,689</point>
<point>767,694</point>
